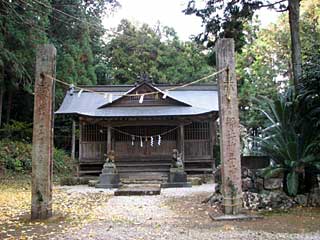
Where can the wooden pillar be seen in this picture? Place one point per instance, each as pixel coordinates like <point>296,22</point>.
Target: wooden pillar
<point>213,136</point>
<point>109,144</point>
<point>80,139</point>
<point>73,141</point>
<point>73,148</point>
<point>229,127</point>
<point>42,144</point>
<point>181,141</point>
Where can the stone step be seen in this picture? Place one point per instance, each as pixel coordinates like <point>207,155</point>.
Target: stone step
<point>138,190</point>
<point>138,164</point>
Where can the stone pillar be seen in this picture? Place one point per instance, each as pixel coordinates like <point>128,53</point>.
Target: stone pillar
<point>42,141</point>
<point>229,127</point>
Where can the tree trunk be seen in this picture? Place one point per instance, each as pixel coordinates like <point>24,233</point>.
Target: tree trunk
<point>9,105</point>
<point>2,90</point>
<point>1,102</point>
<point>294,14</point>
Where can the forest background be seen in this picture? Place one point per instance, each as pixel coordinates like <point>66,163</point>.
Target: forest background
<point>91,54</point>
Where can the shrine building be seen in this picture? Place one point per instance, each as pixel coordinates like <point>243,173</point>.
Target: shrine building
<point>142,124</point>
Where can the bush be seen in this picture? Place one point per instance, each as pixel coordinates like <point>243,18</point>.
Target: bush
<point>17,156</point>
<point>62,164</point>
<point>17,131</point>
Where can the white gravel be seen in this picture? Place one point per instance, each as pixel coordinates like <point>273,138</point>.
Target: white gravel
<point>148,217</point>
<point>180,192</point>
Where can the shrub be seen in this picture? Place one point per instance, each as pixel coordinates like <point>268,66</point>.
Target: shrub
<point>62,164</point>
<point>290,142</point>
<point>17,156</point>
<point>17,131</point>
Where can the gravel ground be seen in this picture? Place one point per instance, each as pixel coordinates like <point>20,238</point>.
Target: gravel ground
<point>154,217</point>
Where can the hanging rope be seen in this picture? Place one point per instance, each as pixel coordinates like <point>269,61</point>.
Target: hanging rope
<point>138,94</point>
<point>147,136</point>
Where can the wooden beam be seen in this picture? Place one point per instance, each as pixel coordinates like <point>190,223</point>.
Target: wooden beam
<point>42,141</point>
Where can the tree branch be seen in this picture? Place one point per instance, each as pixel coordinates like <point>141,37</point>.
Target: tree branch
<point>272,4</point>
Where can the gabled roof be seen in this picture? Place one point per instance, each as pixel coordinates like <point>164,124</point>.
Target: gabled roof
<point>196,99</point>
<point>152,89</point>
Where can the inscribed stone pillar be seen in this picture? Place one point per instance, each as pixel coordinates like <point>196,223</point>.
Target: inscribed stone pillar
<point>229,127</point>
<point>42,144</point>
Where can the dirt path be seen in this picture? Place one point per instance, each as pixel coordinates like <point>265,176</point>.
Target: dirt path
<point>179,214</point>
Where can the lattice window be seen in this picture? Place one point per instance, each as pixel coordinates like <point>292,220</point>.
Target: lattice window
<point>93,133</point>
<point>197,130</point>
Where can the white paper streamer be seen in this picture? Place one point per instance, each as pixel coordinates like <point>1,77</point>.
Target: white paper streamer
<point>141,142</point>
<point>159,140</point>
<point>165,94</point>
<point>110,98</point>
<point>79,93</point>
<point>141,99</point>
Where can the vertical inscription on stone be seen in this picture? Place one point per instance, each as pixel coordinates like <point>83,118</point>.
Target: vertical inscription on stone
<point>229,127</point>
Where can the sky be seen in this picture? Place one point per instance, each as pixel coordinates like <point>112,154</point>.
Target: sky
<point>169,13</point>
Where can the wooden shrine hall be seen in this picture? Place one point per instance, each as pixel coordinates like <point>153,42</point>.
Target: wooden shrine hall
<point>142,124</point>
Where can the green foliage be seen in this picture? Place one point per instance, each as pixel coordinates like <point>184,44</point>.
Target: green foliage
<point>290,140</point>
<point>17,131</point>
<point>257,71</point>
<point>159,54</point>
<point>227,19</point>
<point>17,156</point>
<point>62,164</point>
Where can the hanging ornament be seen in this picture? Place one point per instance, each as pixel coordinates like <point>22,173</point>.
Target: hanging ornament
<point>141,99</point>
<point>141,142</point>
<point>146,138</point>
<point>165,94</point>
<point>132,140</point>
<point>79,93</point>
<point>159,140</point>
<point>110,98</point>
<point>71,89</point>
<point>151,141</point>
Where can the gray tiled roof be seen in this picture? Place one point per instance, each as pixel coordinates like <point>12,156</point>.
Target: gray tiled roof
<point>202,100</point>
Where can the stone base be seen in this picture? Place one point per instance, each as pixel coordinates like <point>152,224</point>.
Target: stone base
<point>177,176</point>
<point>238,217</point>
<point>176,185</point>
<point>138,190</point>
<point>109,180</point>
<point>108,185</point>
<point>177,179</point>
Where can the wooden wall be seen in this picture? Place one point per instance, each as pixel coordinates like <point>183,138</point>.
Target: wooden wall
<point>198,146</point>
